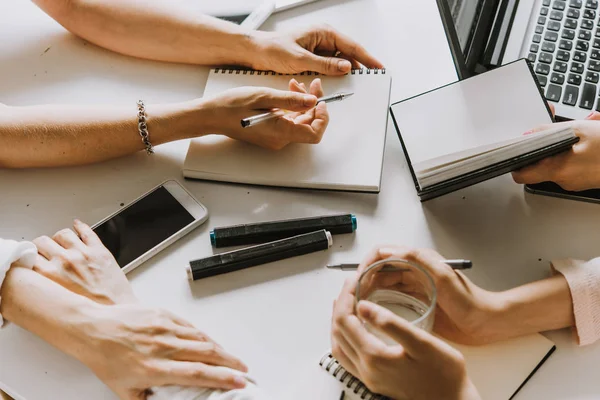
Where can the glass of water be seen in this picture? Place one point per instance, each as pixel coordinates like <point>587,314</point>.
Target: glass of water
<point>403,287</point>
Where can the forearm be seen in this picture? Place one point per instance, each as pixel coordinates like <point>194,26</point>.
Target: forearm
<point>535,307</point>
<point>44,136</point>
<point>174,31</point>
<point>46,309</point>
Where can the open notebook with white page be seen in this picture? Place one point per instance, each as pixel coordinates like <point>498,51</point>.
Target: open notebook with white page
<point>472,130</point>
<point>349,157</point>
<point>497,370</point>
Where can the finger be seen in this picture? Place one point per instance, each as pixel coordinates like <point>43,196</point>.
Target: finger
<point>43,266</point>
<point>355,64</point>
<point>327,65</point>
<point>196,374</point>
<point>344,305</point>
<point>594,116</point>
<point>295,86</point>
<point>49,248</point>
<point>305,118</point>
<point>552,109</point>
<point>542,171</point>
<point>208,353</point>
<point>68,239</point>
<point>320,119</point>
<point>87,234</point>
<point>288,100</point>
<point>296,133</point>
<point>191,333</point>
<point>364,342</point>
<point>345,45</point>
<point>413,339</point>
<point>316,88</point>
<point>346,355</point>
<point>178,320</point>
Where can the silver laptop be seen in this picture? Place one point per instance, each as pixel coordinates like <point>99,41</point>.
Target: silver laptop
<point>560,38</point>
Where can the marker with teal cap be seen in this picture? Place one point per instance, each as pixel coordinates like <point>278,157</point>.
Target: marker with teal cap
<point>263,232</point>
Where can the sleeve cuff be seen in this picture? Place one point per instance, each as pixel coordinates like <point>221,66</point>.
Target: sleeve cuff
<point>14,253</point>
<point>583,279</point>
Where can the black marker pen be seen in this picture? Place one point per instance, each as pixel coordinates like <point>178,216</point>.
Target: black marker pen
<point>261,254</point>
<point>263,232</point>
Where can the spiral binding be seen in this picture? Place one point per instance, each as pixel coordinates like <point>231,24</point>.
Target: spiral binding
<point>236,71</point>
<point>335,369</point>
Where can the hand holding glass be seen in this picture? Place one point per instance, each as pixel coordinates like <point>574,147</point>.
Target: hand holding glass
<point>402,287</point>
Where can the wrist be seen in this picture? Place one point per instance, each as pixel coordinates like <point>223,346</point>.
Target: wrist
<point>176,121</point>
<point>85,327</point>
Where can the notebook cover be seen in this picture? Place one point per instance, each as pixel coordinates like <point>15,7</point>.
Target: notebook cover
<point>487,172</point>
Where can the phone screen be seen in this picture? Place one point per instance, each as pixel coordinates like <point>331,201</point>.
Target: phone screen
<point>143,225</point>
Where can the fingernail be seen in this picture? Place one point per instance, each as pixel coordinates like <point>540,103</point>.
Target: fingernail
<point>239,382</point>
<point>528,132</point>
<point>77,221</point>
<point>592,114</point>
<point>344,65</point>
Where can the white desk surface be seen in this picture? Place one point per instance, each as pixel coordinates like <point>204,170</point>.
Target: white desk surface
<point>276,317</point>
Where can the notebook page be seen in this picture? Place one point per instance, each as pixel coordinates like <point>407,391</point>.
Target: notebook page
<point>497,370</point>
<point>350,156</point>
<point>492,107</point>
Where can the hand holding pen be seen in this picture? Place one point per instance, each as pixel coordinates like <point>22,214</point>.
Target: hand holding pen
<point>257,119</point>
<point>306,125</point>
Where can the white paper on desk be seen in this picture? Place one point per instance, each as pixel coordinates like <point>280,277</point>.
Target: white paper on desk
<point>350,156</point>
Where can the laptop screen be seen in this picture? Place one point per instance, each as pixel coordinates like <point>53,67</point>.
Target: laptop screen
<point>471,27</point>
<point>465,14</point>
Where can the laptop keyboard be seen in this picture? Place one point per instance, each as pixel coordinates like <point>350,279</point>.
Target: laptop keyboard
<point>565,52</point>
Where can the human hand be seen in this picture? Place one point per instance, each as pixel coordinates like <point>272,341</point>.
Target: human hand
<point>465,313</point>
<point>77,260</point>
<point>306,124</point>
<point>132,348</point>
<point>576,169</point>
<point>320,49</point>
<point>407,368</point>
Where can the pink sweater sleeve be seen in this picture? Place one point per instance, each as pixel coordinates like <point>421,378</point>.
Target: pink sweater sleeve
<point>583,279</point>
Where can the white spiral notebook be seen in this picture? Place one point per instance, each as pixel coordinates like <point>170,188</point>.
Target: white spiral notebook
<point>349,158</point>
<point>497,370</point>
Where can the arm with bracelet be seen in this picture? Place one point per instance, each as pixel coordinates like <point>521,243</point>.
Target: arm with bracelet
<point>63,135</point>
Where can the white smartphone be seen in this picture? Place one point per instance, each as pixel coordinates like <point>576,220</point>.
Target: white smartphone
<point>146,226</point>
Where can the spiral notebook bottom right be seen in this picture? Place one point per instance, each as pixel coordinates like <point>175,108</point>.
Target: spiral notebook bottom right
<point>497,370</point>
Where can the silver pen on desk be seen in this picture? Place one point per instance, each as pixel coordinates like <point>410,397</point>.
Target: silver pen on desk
<point>455,264</point>
<point>257,119</point>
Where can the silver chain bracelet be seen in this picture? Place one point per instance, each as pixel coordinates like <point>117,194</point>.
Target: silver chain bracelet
<point>143,127</point>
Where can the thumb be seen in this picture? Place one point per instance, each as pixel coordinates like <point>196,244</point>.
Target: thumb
<point>328,65</point>
<point>536,173</point>
<point>413,339</point>
<point>286,100</point>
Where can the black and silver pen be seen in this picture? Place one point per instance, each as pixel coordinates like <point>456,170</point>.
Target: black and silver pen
<point>258,255</point>
<point>455,264</point>
<point>257,119</point>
